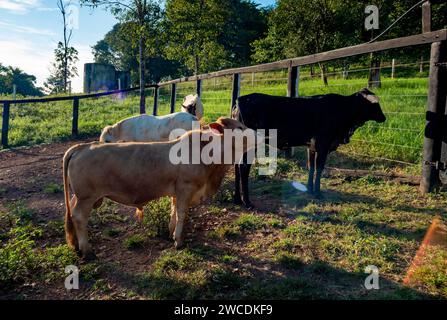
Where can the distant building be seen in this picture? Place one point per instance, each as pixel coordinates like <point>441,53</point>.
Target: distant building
<point>104,77</point>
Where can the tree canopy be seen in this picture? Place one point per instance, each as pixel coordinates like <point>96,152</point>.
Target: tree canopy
<point>25,83</point>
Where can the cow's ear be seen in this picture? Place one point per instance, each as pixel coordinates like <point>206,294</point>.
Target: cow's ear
<point>216,128</point>
<point>370,96</point>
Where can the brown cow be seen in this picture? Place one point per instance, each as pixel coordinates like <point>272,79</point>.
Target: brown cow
<point>134,173</point>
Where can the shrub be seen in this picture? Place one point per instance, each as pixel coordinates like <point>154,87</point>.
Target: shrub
<point>156,217</point>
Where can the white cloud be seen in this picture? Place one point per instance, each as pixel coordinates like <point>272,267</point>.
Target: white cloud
<point>19,6</point>
<point>32,57</point>
<point>25,29</point>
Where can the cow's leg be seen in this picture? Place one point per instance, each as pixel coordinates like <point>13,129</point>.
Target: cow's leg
<point>182,205</point>
<point>139,214</point>
<point>70,230</point>
<point>237,185</point>
<point>80,215</point>
<point>173,220</point>
<point>311,168</point>
<point>320,162</point>
<point>245,172</point>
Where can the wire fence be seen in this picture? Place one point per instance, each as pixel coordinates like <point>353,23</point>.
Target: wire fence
<point>397,142</point>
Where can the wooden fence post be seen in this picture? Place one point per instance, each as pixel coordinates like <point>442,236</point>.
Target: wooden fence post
<point>173,96</point>
<point>155,101</point>
<point>292,92</point>
<point>75,120</point>
<point>235,90</point>
<point>437,92</point>
<point>5,124</point>
<point>293,82</point>
<point>199,87</point>
<point>374,72</point>
<point>393,69</point>
<point>426,17</point>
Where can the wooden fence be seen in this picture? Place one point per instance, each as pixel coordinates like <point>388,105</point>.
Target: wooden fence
<point>436,108</point>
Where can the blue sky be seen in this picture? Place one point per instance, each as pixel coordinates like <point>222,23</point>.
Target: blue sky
<point>30,30</point>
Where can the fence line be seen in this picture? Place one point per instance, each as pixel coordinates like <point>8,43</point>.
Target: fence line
<point>437,39</point>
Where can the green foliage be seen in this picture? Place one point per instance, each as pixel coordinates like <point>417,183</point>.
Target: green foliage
<point>20,259</point>
<point>431,272</point>
<point>135,241</point>
<point>157,215</point>
<point>25,83</point>
<point>289,261</point>
<point>245,222</point>
<point>53,188</point>
<point>171,260</point>
<point>17,260</point>
<point>20,212</point>
<point>300,27</point>
<point>225,231</point>
<point>207,35</point>
<point>63,69</point>
<point>249,221</point>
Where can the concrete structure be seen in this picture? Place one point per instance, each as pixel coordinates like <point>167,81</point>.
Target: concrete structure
<point>104,77</point>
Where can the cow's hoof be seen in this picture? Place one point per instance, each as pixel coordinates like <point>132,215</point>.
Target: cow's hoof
<point>89,256</point>
<point>249,206</point>
<point>178,245</point>
<point>318,195</point>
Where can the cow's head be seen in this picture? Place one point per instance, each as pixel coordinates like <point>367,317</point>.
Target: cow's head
<point>369,106</point>
<point>193,105</point>
<point>107,135</point>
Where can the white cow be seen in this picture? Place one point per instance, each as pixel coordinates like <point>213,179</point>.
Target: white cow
<point>147,128</point>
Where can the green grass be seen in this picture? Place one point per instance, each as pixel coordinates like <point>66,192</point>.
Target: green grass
<point>298,248</point>
<point>22,259</point>
<point>53,188</point>
<point>400,138</point>
<point>135,241</point>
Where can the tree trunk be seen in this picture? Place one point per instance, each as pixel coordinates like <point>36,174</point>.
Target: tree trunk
<point>323,73</point>
<point>196,65</point>
<point>142,77</point>
<point>65,62</point>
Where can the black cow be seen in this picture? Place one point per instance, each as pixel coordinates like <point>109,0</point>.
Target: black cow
<point>321,122</point>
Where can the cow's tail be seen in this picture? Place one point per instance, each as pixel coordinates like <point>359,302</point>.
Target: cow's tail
<point>236,112</point>
<point>70,232</point>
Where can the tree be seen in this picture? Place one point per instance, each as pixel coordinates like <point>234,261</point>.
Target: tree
<point>63,69</point>
<point>193,28</point>
<point>24,82</point>
<point>120,49</point>
<point>245,23</point>
<point>144,15</point>
<point>66,56</point>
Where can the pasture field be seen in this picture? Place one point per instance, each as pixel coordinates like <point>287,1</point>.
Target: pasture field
<point>291,246</point>
<point>395,144</point>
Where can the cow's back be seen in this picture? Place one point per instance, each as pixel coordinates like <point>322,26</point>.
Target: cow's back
<point>147,128</point>
<point>296,119</point>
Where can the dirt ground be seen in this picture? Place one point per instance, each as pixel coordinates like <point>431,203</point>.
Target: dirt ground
<point>26,173</point>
